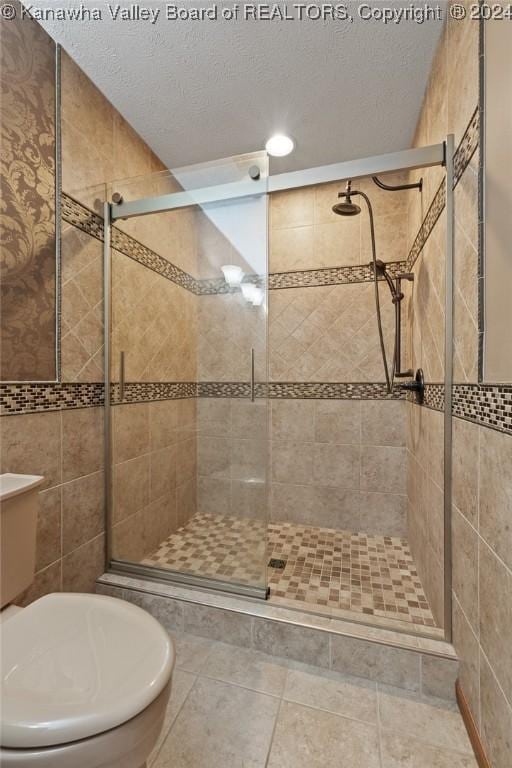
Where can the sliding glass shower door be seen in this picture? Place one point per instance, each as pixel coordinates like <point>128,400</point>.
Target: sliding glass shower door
<point>187,358</point>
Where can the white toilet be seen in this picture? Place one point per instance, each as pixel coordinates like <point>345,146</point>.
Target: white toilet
<point>85,679</point>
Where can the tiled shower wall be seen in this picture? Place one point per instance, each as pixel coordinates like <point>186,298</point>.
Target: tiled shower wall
<point>336,462</point>
<point>481,455</point>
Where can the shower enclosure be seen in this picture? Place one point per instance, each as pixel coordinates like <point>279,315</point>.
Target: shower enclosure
<point>252,443</point>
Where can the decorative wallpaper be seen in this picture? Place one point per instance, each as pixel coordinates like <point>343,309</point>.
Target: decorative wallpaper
<point>27,216</point>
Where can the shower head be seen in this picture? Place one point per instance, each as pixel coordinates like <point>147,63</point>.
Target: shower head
<point>348,208</point>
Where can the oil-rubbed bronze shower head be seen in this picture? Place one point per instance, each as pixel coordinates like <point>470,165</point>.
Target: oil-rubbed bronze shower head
<point>348,208</point>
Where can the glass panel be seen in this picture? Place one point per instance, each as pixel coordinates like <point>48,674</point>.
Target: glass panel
<point>189,333</point>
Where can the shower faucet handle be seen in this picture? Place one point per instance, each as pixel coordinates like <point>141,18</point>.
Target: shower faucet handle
<point>417,385</point>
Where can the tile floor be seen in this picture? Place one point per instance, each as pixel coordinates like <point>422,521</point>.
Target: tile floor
<point>235,708</point>
<point>336,570</point>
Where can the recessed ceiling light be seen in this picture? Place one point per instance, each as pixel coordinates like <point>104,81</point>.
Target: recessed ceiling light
<point>279,145</point>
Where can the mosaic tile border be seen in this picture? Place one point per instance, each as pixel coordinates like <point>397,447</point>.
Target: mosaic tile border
<point>229,389</point>
<point>37,398</point>
<point>489,405</point>
<point>461,160</point>
<point>333,390</point>
<point>436,208</point>
<point>146,391</point>
<point>307,278</point>
<point>433,397</point>
<point>467,147</point>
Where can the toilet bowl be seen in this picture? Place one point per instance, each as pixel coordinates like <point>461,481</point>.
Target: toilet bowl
<point>84,679</point>
<point>85,683</point>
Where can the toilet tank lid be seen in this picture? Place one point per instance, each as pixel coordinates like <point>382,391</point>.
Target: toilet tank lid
<point>75,665</point>
<point>12,484</point>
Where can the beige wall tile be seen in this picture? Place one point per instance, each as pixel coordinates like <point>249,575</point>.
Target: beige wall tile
<point>383,514</point>
<point>213,496</point>
<point>83,508</point>
<point>162,472</point>
<point>292,208</point>
<point>338,421</point>
<point>128,538</point>
<point>131,487</point>
<point>383,423</point>
<point>214,457</point>
<point>82,442</point>
<point>336,465</point>
<point>163,420</point>
<point>186,500</point>
<point>81,568</point>
<point>249,459</point>
<point>186,459</point>
<point>465,459</point>
<point>468,650</point>
<point>495,587</point>
<point>130,425</point>
<point>383,469</point>
<point>292,420</point>
<point>214,416</point>
<point>45,581</point>
<point>465,566</point>
<point>495,497</point>
<point>292,462</point>
<point>250,420</point>
<point>48,546</point>
<point>31,445</point>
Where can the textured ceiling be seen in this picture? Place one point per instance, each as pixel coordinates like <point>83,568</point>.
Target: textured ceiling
<point>199,91</point>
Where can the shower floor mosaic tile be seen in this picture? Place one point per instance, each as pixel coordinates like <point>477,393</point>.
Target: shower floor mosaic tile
<point>323,568</point>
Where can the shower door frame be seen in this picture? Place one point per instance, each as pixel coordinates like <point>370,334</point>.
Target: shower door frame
<point>423,157</point>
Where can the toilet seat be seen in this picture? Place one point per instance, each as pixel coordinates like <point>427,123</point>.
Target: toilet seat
<point>74,666</point>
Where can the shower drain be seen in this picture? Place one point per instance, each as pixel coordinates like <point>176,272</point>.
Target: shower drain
<point>275,563</point>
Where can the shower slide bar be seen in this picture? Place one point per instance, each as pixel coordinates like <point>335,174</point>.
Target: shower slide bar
<point>407,159</point>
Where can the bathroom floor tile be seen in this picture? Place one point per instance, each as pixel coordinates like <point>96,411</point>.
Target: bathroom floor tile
<point>352,697</point>
<point>220,726</point>
<point>400,751</point>
<point>191,651</point>
<point>247,668</point>
<point>433,721</point>
<point>310,738</point>
<point>323,569</point>
<point>182,683</point>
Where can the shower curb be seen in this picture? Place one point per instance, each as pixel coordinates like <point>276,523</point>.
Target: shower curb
<point>423,665</point>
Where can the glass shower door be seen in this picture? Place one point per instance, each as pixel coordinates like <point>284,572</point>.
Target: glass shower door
<point>188,368</point>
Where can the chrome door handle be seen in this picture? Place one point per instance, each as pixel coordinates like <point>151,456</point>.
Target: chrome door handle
<point>252,375</point>
<point>121,375</point>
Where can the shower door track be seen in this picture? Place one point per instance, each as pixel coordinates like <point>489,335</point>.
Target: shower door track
<point>152,573</point>
<point>409,159</point>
